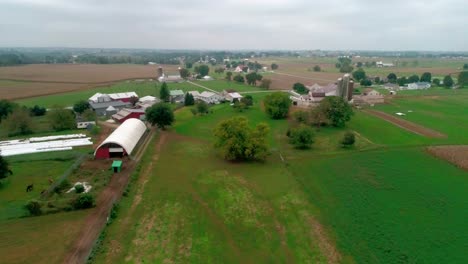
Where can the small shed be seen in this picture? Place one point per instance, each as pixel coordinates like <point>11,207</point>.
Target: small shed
<point>117,166</point>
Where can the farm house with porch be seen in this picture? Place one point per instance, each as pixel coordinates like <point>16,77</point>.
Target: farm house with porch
<point>122,141</point>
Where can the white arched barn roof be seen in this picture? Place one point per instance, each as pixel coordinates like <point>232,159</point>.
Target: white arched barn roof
<point>126,135</point>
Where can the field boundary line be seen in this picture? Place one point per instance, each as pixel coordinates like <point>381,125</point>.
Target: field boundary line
<point>204,87</point>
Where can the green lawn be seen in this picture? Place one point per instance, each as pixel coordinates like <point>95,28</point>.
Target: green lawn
<point>388,204</point>
<point>29,169</point>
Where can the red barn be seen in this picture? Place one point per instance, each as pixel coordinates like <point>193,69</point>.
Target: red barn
<point>127,113</point>
<point>122,141</point>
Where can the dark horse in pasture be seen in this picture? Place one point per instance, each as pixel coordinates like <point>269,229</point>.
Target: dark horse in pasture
<point>30,187</point>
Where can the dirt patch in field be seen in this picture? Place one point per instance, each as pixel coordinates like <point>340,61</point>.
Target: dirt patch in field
<point>407,125</point>
<point>457,155</point>
<point>327,247</point>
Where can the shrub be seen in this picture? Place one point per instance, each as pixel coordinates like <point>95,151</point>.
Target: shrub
<point>277,105</point>
<point>79,188</point>
<point>301,116</point>
<point>34,207</point>
<point>348,139</point>
<point>84,201</point>
<point>63,185</point>
<point>301,137</point>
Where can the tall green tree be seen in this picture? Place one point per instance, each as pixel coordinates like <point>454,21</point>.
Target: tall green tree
<point>277,105</point>
<point>184,73</point>
<point>19,122</point>
<point>61,119</point>
<point>465,66</point>
<point>228,76</point>
<point>300,88</point>
<point>359,74</point>
<point>189,100</point>
<point>274,66</point>
<point>81,106</point>
<point>392,78</point>
<point>463,78</point>
<point>413,78</point>
<point>5,170</point>
<point>317,68</point>
<point>252,78</point>
<point>188,65</point>
<point>6,107</point>
<point>160,115</point>
<point>426,77</point>
<point>203,70</point>
<point>237,140</point>
<point>239,78</point>
<point>337,110</point>
<point>164,92</point>
<point>448,81</point>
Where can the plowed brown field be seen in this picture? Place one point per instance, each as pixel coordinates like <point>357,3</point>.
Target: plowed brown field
<point>457,155</point>
<point>43,79</point>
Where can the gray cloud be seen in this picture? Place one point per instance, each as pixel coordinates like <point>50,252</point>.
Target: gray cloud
<point>236,24</point>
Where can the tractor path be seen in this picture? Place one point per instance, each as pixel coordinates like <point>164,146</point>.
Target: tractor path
<point>97,219</point>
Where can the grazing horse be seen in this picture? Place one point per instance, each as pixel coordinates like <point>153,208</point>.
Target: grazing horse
<point>30,187</point>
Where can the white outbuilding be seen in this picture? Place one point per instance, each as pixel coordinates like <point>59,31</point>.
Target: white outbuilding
<point>122,141</point>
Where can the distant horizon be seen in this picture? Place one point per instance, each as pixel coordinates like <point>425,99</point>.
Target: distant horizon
<point>230,50</point>
<point>397,25</point>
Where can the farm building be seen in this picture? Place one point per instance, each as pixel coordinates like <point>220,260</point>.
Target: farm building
<point>207,97</point>
<point>147,101</point>
<point>419,86</point>
<point>231,97</point>
<point>369,96</point>
<point>128,113</point>
<point>122,141</point>
<point>391,86</point>
<point>176,96</point>
<point>100,98</point>
<point>80,124</point>
<point>170,79</point>
<point>101,107</point>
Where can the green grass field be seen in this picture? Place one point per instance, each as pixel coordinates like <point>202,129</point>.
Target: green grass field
<point>220,85</point>
<point>28,169</point>
<point>384,201</point>
<point>45,239</point>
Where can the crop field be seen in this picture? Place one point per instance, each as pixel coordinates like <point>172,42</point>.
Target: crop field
<point>384,201</point>
<point>44,79</point>
<point>68,99</point>
<point>447,114</point>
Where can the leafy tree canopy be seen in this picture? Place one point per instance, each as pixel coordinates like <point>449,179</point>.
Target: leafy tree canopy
<point>160,115</point>
<point>236,140</point>
<point>277,105</point>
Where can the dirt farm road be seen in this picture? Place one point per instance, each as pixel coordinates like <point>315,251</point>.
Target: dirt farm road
<point>407,125</point>
<point>97,219</point>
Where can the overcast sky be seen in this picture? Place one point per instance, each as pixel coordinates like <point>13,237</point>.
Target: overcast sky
<point>236,24</point>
